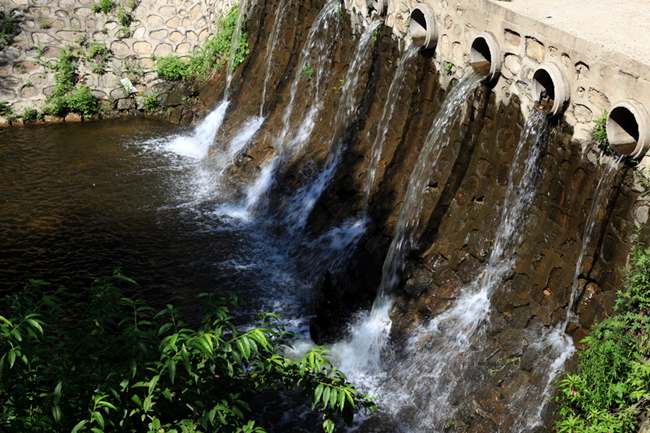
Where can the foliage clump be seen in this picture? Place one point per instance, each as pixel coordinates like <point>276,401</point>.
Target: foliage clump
<point>68,95</point>
<point>599,135</point>
<point>8,28</point>
<point>211,57</point>
<point>97,361</point>
<point>6,110</point>
<point>31,114</point>
<point>151,103</point>
<point>610,392</point>
<point>103,6</point>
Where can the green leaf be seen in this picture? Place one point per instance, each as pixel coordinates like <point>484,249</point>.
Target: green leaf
<point>56,413</point>
<point>318,392</point>
<point>326,396</point>
<point>99,419</point>
<point>80,425</point>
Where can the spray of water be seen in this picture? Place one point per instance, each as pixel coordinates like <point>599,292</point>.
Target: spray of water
<point>278,21</point>
<point>383,126</point>
<point>302,203</point>
<point>554,347</point>
<point>359,355</point>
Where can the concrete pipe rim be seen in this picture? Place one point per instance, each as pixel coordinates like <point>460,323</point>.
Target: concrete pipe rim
<point>422,26</point>
<point>628,128</point>
<point>486,49</point>
<point>377,7</point>
<point>551,91</point>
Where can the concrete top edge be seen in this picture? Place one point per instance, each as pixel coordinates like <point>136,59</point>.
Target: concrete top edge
<point>616,26</point>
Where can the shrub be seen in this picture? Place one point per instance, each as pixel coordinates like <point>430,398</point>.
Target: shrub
<point>101,362</point>
<point>151,103</point>
<point>8,28</point>
<point>308,71</point>
<point>123,17</point>
<point>5,109</point>
<point>611,389</point>
<point>171,68</point>
<point>81,100</point>
<point>103,6</point>
<point>31,114</point>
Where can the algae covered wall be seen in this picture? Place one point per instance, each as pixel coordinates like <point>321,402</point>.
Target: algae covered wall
<point>158,28</point>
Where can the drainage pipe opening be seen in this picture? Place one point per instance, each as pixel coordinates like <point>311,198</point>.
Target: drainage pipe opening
<point>378,7</point>
<point>485,55</point>
<point>422,27</point>
<point>550,89</point>
<point>628,128</point>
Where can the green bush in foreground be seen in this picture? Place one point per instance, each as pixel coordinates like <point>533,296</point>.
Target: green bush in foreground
<point>101,362</point>
<point>610,392</point>
<point>68,95</point>
<point>212,56</point>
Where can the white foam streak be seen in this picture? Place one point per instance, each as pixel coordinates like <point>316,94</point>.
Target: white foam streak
<point>197,144</point>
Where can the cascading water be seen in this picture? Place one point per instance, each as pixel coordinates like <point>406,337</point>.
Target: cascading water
<point>359,356</point>
<point>394,91</point>
<point>303,202</point>
<point>278,20</point>
<point>316,56</point>
<point>554,346</point>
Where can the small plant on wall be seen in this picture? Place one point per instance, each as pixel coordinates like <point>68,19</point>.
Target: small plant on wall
<point>103,6</point>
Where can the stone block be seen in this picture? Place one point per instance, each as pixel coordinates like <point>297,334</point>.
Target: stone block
<point>535,49</point>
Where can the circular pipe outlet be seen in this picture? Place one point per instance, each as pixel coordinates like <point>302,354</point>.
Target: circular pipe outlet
<point>485,55</point>
<point>378,7</point>
<point>422,27</point>
<point>550,89</point>
<point>628,128</point>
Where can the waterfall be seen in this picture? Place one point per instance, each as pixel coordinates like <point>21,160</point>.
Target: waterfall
<point>318,47</point>
<point>359,355</point>
<point>197,144</point>
<point>280,14</point>
<point>303,202</point>
<point>385,121</point>
<point>234,43</point>
<point>555,347</point>
<point>438,354</point>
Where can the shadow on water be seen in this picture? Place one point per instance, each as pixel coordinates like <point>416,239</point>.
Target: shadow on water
<point>110,202</point>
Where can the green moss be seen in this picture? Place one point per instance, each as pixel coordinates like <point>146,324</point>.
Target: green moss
<point>448,68</point>
<point>610,391</point>
<point>308,71</point>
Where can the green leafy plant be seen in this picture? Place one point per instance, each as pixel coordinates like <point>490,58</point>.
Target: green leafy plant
<point>98,55</point>
<point>31,114</point>
<point>151,103</point>
<point>212,56</point>
<point>100,362</point>
<point>68,96</point>
<point>610,390</point>
<point>103,6</point>
<point>599,135</point>
<point>8,28</point>
<point>308,71</point>
<point>448,68</point>
<point>6,110</point>
<point>171,68</point>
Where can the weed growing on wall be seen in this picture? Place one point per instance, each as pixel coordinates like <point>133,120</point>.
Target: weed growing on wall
<point>98,361</point>
<point>103,6</point>
<point>211,57</point>
<point>68,95</point>
<point>31,115</point>
<point>98,55</point>
<point>610,391</point>
<point>151,103</point>
<point>8,28</point>
<point>599,135</point>
<point>6,109</point>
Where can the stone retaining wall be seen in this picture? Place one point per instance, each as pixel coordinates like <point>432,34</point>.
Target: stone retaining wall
<point>159,27</point>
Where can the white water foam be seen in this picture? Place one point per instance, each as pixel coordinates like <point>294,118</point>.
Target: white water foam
<point>197,144</point>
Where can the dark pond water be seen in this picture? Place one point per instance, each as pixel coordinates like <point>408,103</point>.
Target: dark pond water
<point>78,201</point>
